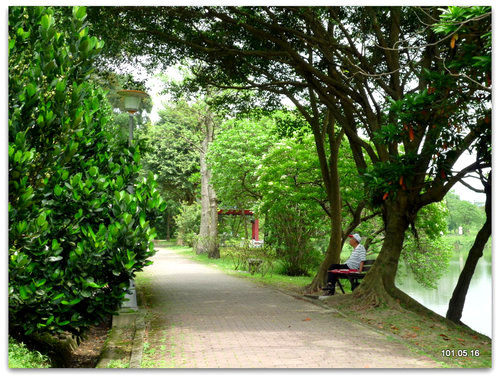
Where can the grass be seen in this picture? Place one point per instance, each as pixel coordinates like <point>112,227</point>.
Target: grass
<point>22,357</point>
<point>119,363</point>
<point>225,263</point>
<point>159,345</point>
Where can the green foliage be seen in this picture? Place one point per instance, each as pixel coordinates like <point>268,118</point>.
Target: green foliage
<point>233,158</point>
<point>22,357</point>
<point>461,24</point>
<point>77,234</point>
<point>428,129</point>
<point>463,213</point>
<point>428,255</point>
<point>188,223</point>
<point>251,259</point>
<point>289,180</point>
<point>172,150</point>
<point>427,258</point>
<point>431,220</point>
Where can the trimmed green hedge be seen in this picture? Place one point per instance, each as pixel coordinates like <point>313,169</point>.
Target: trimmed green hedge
<point>79,219</point>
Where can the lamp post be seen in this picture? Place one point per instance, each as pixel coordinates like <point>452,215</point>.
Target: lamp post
<point>132,100</point>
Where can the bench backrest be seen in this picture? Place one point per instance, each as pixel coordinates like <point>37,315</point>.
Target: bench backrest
<point>368,264</point>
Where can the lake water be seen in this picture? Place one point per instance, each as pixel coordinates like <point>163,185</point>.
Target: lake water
<point>477,312</point>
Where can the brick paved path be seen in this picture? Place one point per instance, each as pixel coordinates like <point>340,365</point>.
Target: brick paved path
<point>214,320</point>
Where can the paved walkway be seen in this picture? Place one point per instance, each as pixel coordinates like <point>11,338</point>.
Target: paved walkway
<point>213,320</point>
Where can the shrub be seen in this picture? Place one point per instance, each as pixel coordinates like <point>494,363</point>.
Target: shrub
<point>188,223</point>
<point>79,224</point>
<point>21,357</point>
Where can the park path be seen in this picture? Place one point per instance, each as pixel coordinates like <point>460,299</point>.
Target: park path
<point>208,319</point>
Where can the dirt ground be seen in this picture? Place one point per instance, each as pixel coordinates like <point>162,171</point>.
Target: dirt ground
<point>87,354</point>
<point>458,346</point>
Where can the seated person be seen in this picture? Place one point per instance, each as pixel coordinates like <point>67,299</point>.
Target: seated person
<point>358,255</point>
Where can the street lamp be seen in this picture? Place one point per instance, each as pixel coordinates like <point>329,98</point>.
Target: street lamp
<point>132,100</point>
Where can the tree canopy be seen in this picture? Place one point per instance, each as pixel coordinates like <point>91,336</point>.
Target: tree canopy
<point>386,76</point>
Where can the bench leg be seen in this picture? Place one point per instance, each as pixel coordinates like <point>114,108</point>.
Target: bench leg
<point>340,285</point>
<point>354,284</point>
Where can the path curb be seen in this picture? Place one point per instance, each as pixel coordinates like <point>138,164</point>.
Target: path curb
<point>137,346</point>
<point>125,341</point>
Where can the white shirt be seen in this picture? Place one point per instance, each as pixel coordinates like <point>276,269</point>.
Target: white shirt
<point>357,256</point>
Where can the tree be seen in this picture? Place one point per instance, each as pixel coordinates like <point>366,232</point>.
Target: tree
<point>234,157</point>
<point>271,165</point>
<point>289,180</point>
<point>472,62</point>
<point>76,236</point>
<point>425,252</point>
<point>457,301</point>
<point>377,72</point>
<point>462,213</point>
<point>207,241</point>
<point>191,126</point>
<point>172,154</point>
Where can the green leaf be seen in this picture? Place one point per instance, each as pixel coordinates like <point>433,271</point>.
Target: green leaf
<point>47,21</point>
<point>79,12</point>
<point>30,89</point>
<point>21,226</point>
<point>72,302</point>
<point>40,282</point>
<point>61,86</point>
<point>24,292</point>
<point>119,182</point>
<point>17,156</point>
<point>41,219</point>
<point>58,190</point>
<point>90,282</point>
<point>58,296</point>
<point>93,171</point>
<point>79,214</point>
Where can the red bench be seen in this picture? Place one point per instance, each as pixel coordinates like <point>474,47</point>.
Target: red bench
<point>354,276</point>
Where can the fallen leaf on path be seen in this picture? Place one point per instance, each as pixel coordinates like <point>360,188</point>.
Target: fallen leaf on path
<point>307,319</point>
<point>410,335</point>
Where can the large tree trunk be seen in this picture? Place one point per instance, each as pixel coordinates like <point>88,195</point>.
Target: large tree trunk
<point>207,242</point>
<point>457,301</point>
<point>332,256</point>
<point>332,184</point>
<point>378,287</point>
<point>379,284</point>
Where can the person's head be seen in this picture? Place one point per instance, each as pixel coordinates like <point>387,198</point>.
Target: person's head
<point>354,239</point>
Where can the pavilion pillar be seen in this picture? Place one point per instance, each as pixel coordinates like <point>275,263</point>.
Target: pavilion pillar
<point>255,229</point>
